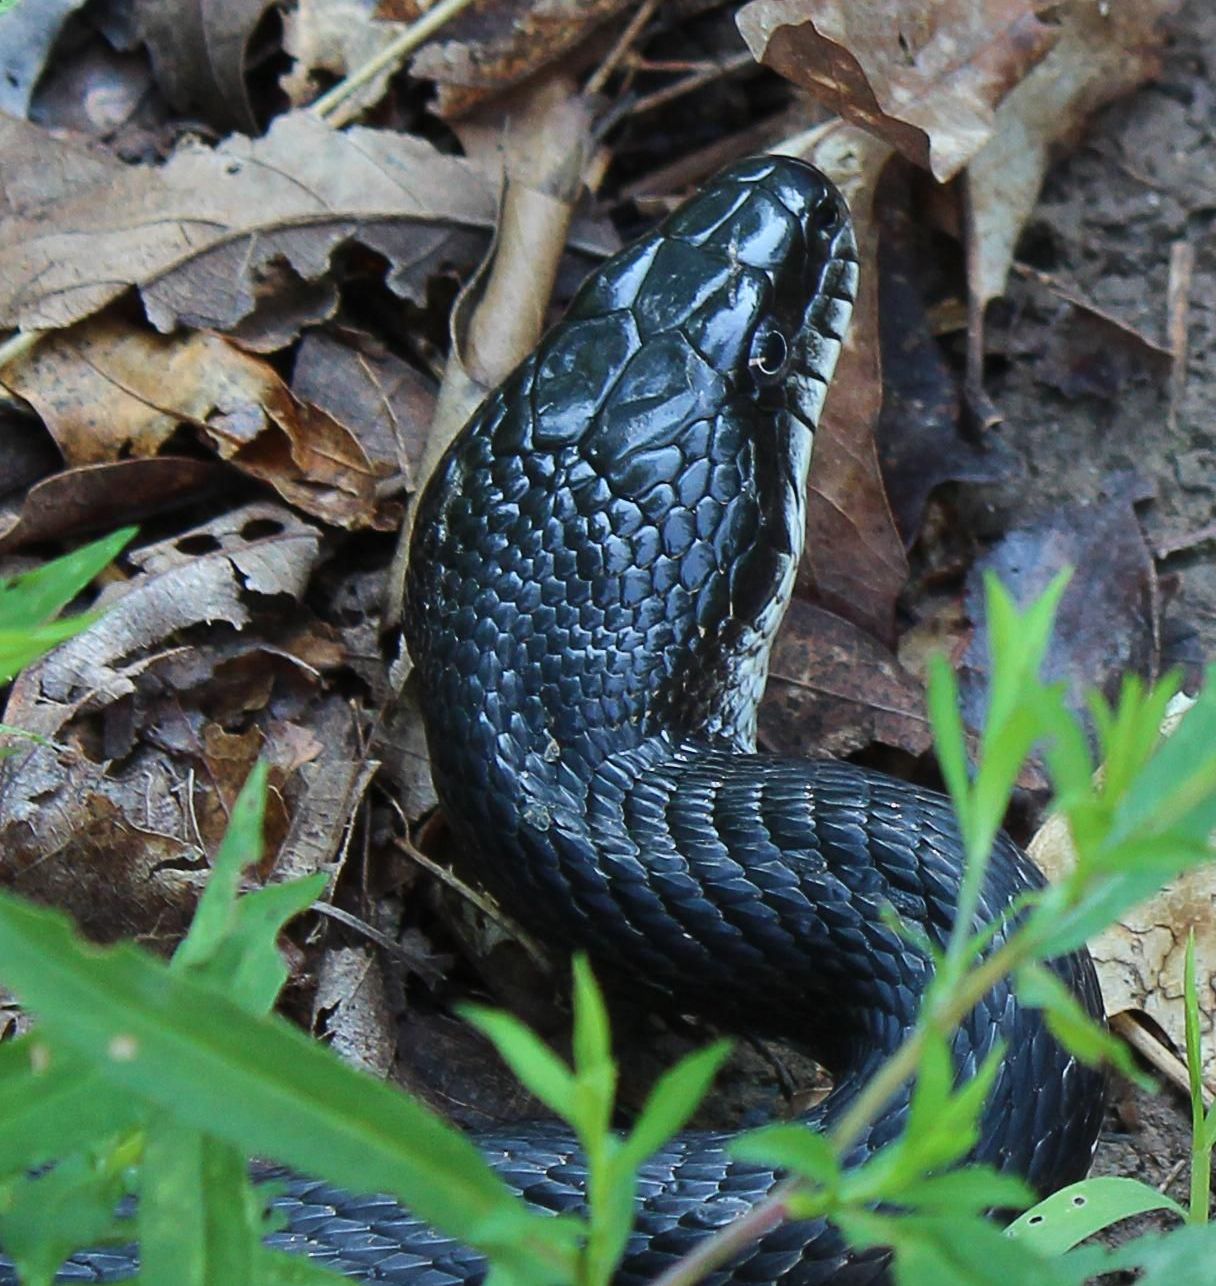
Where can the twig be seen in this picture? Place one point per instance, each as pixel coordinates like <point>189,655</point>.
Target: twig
<point>599,77</point>
<point>482,903</point>
<point>661,97</point>
<point>1153,1051</point>
<point>392,54</point>
<point>1178,302</point>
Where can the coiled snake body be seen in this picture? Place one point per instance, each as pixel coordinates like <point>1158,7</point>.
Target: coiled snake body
<point>598,567</point>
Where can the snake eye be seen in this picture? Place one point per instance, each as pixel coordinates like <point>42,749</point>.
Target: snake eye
<point>826,214</point>
<point>769,353</point>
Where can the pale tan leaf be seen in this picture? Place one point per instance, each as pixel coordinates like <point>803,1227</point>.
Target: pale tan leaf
<point>926,78</point>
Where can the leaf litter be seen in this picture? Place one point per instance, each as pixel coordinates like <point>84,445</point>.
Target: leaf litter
<point>237,338</point>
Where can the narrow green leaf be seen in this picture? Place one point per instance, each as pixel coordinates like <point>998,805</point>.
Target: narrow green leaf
<point>52,1103</point>
<point>198,1215</point>
<point>790,1147</point>
<point>261,1085</point>
<point>44,1218</point>
<point>592,1035</point>
<point>972,1189</point>
<point>949,741</point>
<point>240,847</point>
<point>32,599</point>
<point>1180,1257</point>
<point>675,1097</point>
<point>1067,1217</point>
<point>275,1268</point>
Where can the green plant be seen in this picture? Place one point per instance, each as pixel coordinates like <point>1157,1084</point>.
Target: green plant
<point>161,1079</point>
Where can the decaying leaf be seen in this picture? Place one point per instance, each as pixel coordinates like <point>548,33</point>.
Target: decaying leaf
<point>382,401</point>
<point>27,34</point>
<point>854,563</point>
<point>153,717</point>
<point>351,1011</point>
<point>333,37</point>
<point>1107,624</point>
<point>199,49</point>
<point>98,496</point>
<point>833,690</point>
<point>195,235</point>
<point>108,390</point>
<point>1103,51</point>
<point>497,45</point>
<point>926,78</point>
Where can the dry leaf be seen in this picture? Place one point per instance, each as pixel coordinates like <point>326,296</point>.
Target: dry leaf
<point>111,815</point>
<point>100,496</point>
<point>926,78</point>
<point>351,1012</point>
<point>1104,50</point>
<point>833,690</point>
<point>854,563</point>
<point>108,390</point>
<point>27,35</point>
<point>196,234</point>
<point>383,402</point>
<point>496,45</point>
<point>334,37</point>
<point>198,50</point>
<point>1107,624</point>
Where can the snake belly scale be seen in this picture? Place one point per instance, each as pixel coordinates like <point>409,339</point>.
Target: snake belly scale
<point>598,567</point>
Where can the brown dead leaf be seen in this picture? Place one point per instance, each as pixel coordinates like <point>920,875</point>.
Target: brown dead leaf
<point>99,496</point>
<point>854,563</point>
<point>920,442</point>
<point>199,50</point>
<point>1107,624</point>
<point>383,402</point>
<point>498,44</point>
<point>833,689</point>
<point>27,34</point>
<point>109,391</point>
<point>333,37</point>
<point>1104,50</point>
<point>195,235</point>
<point>1140,958</point>
<point>351,1012</point>
<point>111,815</point>
<point>927,79</point>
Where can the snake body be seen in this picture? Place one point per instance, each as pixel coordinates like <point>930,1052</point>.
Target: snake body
<point>598,567</point>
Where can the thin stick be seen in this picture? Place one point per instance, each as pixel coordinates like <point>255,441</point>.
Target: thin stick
<point>599,77</point>
<point>661,97</point>
<point>391,55</point>
<point>1153,1051</point>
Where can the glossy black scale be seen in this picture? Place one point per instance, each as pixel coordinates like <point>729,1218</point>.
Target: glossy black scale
<point>597,570</point>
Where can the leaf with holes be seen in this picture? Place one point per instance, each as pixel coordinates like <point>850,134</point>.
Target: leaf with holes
<point>1067,1217</point>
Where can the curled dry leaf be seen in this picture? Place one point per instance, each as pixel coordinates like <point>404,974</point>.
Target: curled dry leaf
<point>27,34</point>
<point>1140,957</point>
<point>195,235</point>
<point>383,402</point>
<point>111,815</point>
<point>854,563</point>
<point>493,47</point>
<point>199,50</point>
<point>108,390</point>
<point>95,497</point>
<point>833,690</point>
<point>351,1012</point>
<point>926,78</point>
<point>1103,51</point>
<point>333,37</point>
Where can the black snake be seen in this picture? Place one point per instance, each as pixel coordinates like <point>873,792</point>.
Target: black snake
<point>598,568</point>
